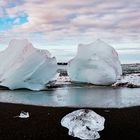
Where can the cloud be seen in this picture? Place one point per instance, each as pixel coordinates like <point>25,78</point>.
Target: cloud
<point>86,20</point>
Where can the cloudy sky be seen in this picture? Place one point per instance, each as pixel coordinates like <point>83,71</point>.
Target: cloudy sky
<point>66,23</point>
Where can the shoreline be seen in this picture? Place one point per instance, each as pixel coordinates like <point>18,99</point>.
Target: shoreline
<point>74,107</point>
<point>44,122</point>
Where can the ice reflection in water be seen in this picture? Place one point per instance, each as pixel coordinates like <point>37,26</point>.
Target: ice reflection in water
<point>76,97</point>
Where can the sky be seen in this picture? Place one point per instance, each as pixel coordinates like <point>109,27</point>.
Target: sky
<point>63,24</point>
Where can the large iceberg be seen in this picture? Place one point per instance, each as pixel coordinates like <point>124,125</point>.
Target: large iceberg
<point>95,63</point>
<point>83,124</point>
<point>23,66</point>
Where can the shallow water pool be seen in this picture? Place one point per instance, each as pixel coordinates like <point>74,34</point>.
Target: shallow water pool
<point>75,97</point>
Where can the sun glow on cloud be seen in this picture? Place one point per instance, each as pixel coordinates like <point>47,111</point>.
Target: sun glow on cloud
<point>65,23</point>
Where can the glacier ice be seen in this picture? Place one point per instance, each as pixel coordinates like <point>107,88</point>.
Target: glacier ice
<point>23,66</point>
<point>84,124</point>
<point>95,63</point>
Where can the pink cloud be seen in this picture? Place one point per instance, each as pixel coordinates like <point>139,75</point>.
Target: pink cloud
<point>87,19</point>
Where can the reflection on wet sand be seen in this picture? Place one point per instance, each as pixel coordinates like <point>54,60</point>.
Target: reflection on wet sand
<point>75,97</point>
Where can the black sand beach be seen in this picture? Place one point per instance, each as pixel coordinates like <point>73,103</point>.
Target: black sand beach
<point>44,123</point>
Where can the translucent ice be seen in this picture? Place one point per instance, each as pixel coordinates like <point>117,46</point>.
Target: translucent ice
<point>23,66</point>
<point>95,63</point>
<point>84,124</point>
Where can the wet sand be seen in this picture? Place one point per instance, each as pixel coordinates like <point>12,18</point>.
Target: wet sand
<point>44,123</point>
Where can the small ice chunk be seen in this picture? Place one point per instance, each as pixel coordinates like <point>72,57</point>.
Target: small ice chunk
<point>24,114</point>
<point>83,124</point>
<point>129,80</point>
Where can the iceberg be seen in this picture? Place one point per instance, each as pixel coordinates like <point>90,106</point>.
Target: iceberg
<point>96,63</point>
<point>84,124</point>
<point>23,66</point>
